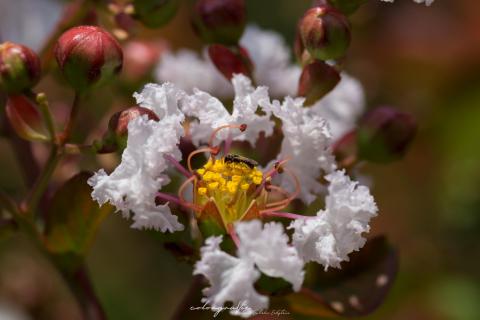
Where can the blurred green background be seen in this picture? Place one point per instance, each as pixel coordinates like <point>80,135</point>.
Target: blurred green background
<point>424,60</point>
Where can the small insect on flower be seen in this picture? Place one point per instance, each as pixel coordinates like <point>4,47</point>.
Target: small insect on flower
<point>235,158</point>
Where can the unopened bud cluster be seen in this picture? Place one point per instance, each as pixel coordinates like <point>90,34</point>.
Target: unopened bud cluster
<point>323,34</point>
<point>220,23</point>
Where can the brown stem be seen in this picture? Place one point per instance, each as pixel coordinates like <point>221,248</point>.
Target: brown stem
<point>80,284</point>
<point>71,119</point>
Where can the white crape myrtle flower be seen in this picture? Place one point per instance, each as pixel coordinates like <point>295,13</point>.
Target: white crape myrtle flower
<point>232,278</point>
<point>272,61</point>
<point>337,230</point>
<point>133,185</point>
<point>272,68</point>
<point>427,2</point>
<point>267,50</point>
<point>342,106</point>
<point>189,70</point>
<point>211,113</point>
<point>306,144</point>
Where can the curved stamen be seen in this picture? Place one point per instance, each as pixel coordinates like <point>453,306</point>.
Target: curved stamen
<point>293,195</point>
<point>277,168</point>
<point>173,199</point>
<point>242,128</point>
<point>212,151</point>
<point>177,165</point>
<point>182,199</point>
<point>279,190</point>
<point>267,177</point>
<point>279,205</point>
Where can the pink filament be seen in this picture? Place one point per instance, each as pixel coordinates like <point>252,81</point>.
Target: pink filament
<point>177,165</point>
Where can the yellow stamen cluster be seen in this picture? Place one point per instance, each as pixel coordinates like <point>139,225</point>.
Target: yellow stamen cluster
<point>227,177</point>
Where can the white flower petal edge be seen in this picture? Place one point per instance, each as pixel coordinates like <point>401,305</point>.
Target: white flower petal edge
<point>133,185</point>
<point>272,61</point>
<point>211,113</point>
<point>268,51</point>
<point>270,251</point>
<point>336,231</point>
<point>427,2</point>
<point>306,143</point>
<point>342,106</point>
<point>231,279</point>
<point>189,70</point>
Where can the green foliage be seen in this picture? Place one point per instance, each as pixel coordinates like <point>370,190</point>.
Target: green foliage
<point>73,220</point>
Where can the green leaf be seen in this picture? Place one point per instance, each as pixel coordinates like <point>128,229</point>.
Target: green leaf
<point>355,290</point>
<point>73,219</point>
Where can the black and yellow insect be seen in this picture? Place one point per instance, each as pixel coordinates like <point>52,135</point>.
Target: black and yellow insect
<point>235,158</point>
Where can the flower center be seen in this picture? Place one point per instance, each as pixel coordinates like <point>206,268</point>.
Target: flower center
<point>231,183</point>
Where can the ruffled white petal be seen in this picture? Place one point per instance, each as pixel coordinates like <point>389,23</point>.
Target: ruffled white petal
<point>272,61</point>
<point>189,70</point>
<point>268,247</point>
<point>267,50</point>
<point>337,230</point>
<point>133,185</point>
<point>211,113</point>
<point>306,143</point>
<point>342,107</point>
<point>231,279</point>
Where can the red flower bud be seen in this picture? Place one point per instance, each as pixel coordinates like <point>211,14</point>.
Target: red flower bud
<point>88,55</point>
<point>19,67</point>
<point>385,134</point>
<point>325,33</point>
<point>155,13</point>
<point>25,118</point>
<point>230,61</point>
<point>219,21</point>
<point>119,121</point>
<point>317,79</point>
<point>116,136</point>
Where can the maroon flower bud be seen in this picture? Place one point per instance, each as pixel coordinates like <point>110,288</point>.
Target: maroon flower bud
<point>19,67</point>
<point>325,33</point>
<point>219,21</point>
<point>345,149</point>
<point>317,79</point>
<point>385,134</point>
<point>230,61</point>
<point>345,6</point>
<point>25,118</point>
<point>155,13</point>
<point>116,136</point>
<point>119,121</point>
<point>88,55</point>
